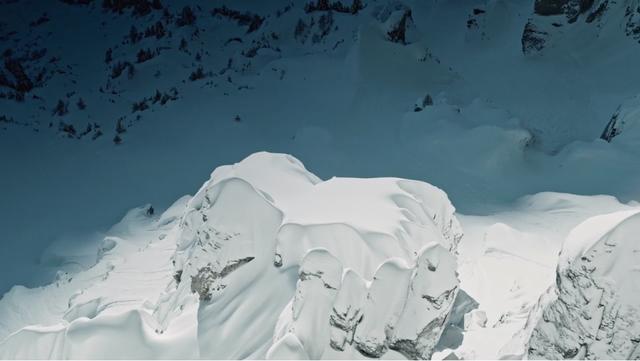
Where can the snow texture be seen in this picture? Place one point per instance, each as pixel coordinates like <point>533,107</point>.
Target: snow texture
<point>266,260</point>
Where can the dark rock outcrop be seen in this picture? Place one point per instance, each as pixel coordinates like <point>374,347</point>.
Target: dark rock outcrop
<point>552,20</point>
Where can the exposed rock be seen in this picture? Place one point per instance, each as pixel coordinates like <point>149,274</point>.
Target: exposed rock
<point>277,259</point>
<point>253,21</point>
<point>632,26</point>
<point>627,116</point>
<point>597,13</point>
<point>337,6</point>
<point>22,83</point>
<point>593,310</point>
<point>61,108</point>
<point>533,39</point>
<point>552,21</point>
<point>398,25</point>
<point>207,280</point>
<point>431,296</point>
<point>138,7</point>
<point>67,130</point>
<point>347,310</point>
<point>570,8</point>
<point>186,17</point>
<point>120,67</point>
<point>177,276</point>
<point>422,103</point>
<point>144,55</point>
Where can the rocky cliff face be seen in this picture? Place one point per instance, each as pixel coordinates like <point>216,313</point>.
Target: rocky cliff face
<point>624,120</point>
<point>554,22</point>
<point>593,310</point>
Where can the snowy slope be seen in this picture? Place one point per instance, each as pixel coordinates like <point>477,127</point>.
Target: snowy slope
<point>344,103</point>
<point>492,124</point>
<point>591,312</point>
<point>287,265</point>
<point>507,261</point>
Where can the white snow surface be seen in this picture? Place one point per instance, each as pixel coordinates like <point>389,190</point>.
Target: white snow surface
<point>269,261</point>
<point>591,311</point>
<point>210,276</point>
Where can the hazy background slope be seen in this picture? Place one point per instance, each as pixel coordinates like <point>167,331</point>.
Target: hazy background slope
<point>148,112</point>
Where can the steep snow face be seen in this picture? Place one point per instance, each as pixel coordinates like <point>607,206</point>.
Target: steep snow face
<point>593,310</point>
<point>266,260</point>
<point>403,308</point>
<point>273,217</point>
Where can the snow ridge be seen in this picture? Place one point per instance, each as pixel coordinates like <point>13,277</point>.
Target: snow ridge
<point>266,260</point>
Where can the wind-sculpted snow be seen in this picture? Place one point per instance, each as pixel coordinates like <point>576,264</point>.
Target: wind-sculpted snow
<point>105,311</point>
<point>593,310</point>
<point>403,308</point>
<point>266,260</point>
<point>372,231</point>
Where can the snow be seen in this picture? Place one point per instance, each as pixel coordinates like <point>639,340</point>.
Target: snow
<point>509,259</point>
<point>591,311</point>
<point>513,140</point>
<point>105,308</point>
<point>222,258</point>
<point>587,234</point>
<point>263,260</point>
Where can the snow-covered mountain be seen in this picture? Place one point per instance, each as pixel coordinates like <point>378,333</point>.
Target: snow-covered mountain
<point>265,260</point>
<point>523,114</point>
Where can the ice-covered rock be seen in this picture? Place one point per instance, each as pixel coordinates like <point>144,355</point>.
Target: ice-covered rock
<point>593,310</point>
